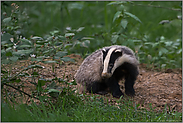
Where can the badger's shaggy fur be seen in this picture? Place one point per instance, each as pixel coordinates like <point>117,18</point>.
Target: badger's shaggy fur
<point>105,67</point>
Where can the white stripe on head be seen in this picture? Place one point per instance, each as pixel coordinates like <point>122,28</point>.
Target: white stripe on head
<point>107,58</point>
<point>121,60</point>
<point>119,50</point>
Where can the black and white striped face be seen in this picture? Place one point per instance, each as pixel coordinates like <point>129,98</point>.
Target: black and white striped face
<point>112,59</point>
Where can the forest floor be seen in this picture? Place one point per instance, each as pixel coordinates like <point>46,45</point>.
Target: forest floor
<point>159,88</point>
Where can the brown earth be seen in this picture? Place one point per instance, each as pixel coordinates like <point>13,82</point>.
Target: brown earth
<point>158,88</point>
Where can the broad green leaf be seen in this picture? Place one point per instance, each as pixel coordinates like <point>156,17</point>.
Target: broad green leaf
<point>20,52</point>
<point>38,46</point>
<point>37,38</point>
<point>41,81</point>
<point>80,29</point>
<point>54,32</point>
<point>148,43</point>
<point>48,51</point>
<point>26,41</point>
<point>69,34</point>
<point>179,51</point>
<point>4,43</point>
<point>114,38</point>
<point>61,53</point>
<point>139,41</point>
<point>33,66</point>
<point>36,59</point>
<point>87,38</point>
<point>162,51</point>
<point>163,65</point>
<point>86,43</point>
<point>7,20</point>
<point>133,16</point>
<point>9,54</point>
<point>41,42</point>
<point>61,37</point>
<point>14,58</point>
<point>117,15</point>
<point>124,23</point>
<point>53,90</point>
<point>168,43</point>
<point>25,46</point>
<point>6,37</point>
<point>49,62</point>
<point>67,59</point>
<point>5,61</point>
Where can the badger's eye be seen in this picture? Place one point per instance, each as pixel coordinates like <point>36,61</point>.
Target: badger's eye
<point>111,65</point>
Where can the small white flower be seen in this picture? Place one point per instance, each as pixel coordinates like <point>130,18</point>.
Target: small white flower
<point>68,28</point>
<point>32,55</point>
<point>11,39</point>
<point>23,37</point>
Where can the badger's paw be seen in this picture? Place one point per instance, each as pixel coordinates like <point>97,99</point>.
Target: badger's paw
<point>117,94</point>
<point>130,93</point>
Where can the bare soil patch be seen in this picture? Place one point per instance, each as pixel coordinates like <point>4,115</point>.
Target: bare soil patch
<point>158,88</point>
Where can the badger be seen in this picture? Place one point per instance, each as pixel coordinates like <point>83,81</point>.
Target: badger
<point>104,68</point>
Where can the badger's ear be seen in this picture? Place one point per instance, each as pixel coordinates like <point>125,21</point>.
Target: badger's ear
<point>119,52</point>
<point>104,51</point>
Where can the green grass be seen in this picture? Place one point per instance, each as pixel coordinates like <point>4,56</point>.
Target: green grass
<point>91,110</point>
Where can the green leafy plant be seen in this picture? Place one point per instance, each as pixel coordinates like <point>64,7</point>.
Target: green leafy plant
<point>162,53</point>
<point>50,49</point>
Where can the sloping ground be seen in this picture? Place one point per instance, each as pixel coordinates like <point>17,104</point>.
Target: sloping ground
<point>157,88</point>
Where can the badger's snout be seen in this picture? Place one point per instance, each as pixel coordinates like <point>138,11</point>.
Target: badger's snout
<point>106,75</point>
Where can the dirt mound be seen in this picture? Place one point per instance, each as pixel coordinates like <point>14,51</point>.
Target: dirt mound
<point>159,88</point>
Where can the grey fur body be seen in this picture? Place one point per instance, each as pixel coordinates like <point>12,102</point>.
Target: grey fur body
<point>91,69</point>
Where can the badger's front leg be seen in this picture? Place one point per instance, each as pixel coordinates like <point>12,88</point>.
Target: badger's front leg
<point>130,78</point>
<point>97,87</point>
<point>114,87</point>
<point>129,82</point>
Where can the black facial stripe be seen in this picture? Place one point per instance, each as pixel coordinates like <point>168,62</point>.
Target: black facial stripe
<point>112,60</point>
<point>105,54</point>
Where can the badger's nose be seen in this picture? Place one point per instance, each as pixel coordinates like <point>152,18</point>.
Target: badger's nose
<point>106,75</point>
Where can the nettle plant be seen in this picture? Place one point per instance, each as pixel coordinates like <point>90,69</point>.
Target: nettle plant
<point>50,49</point>
<point>162,53</point>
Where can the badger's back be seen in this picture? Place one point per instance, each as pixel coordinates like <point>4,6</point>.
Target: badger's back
<point>91,68</point>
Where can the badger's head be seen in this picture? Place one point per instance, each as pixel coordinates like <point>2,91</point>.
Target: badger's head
<point>114,57</point>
